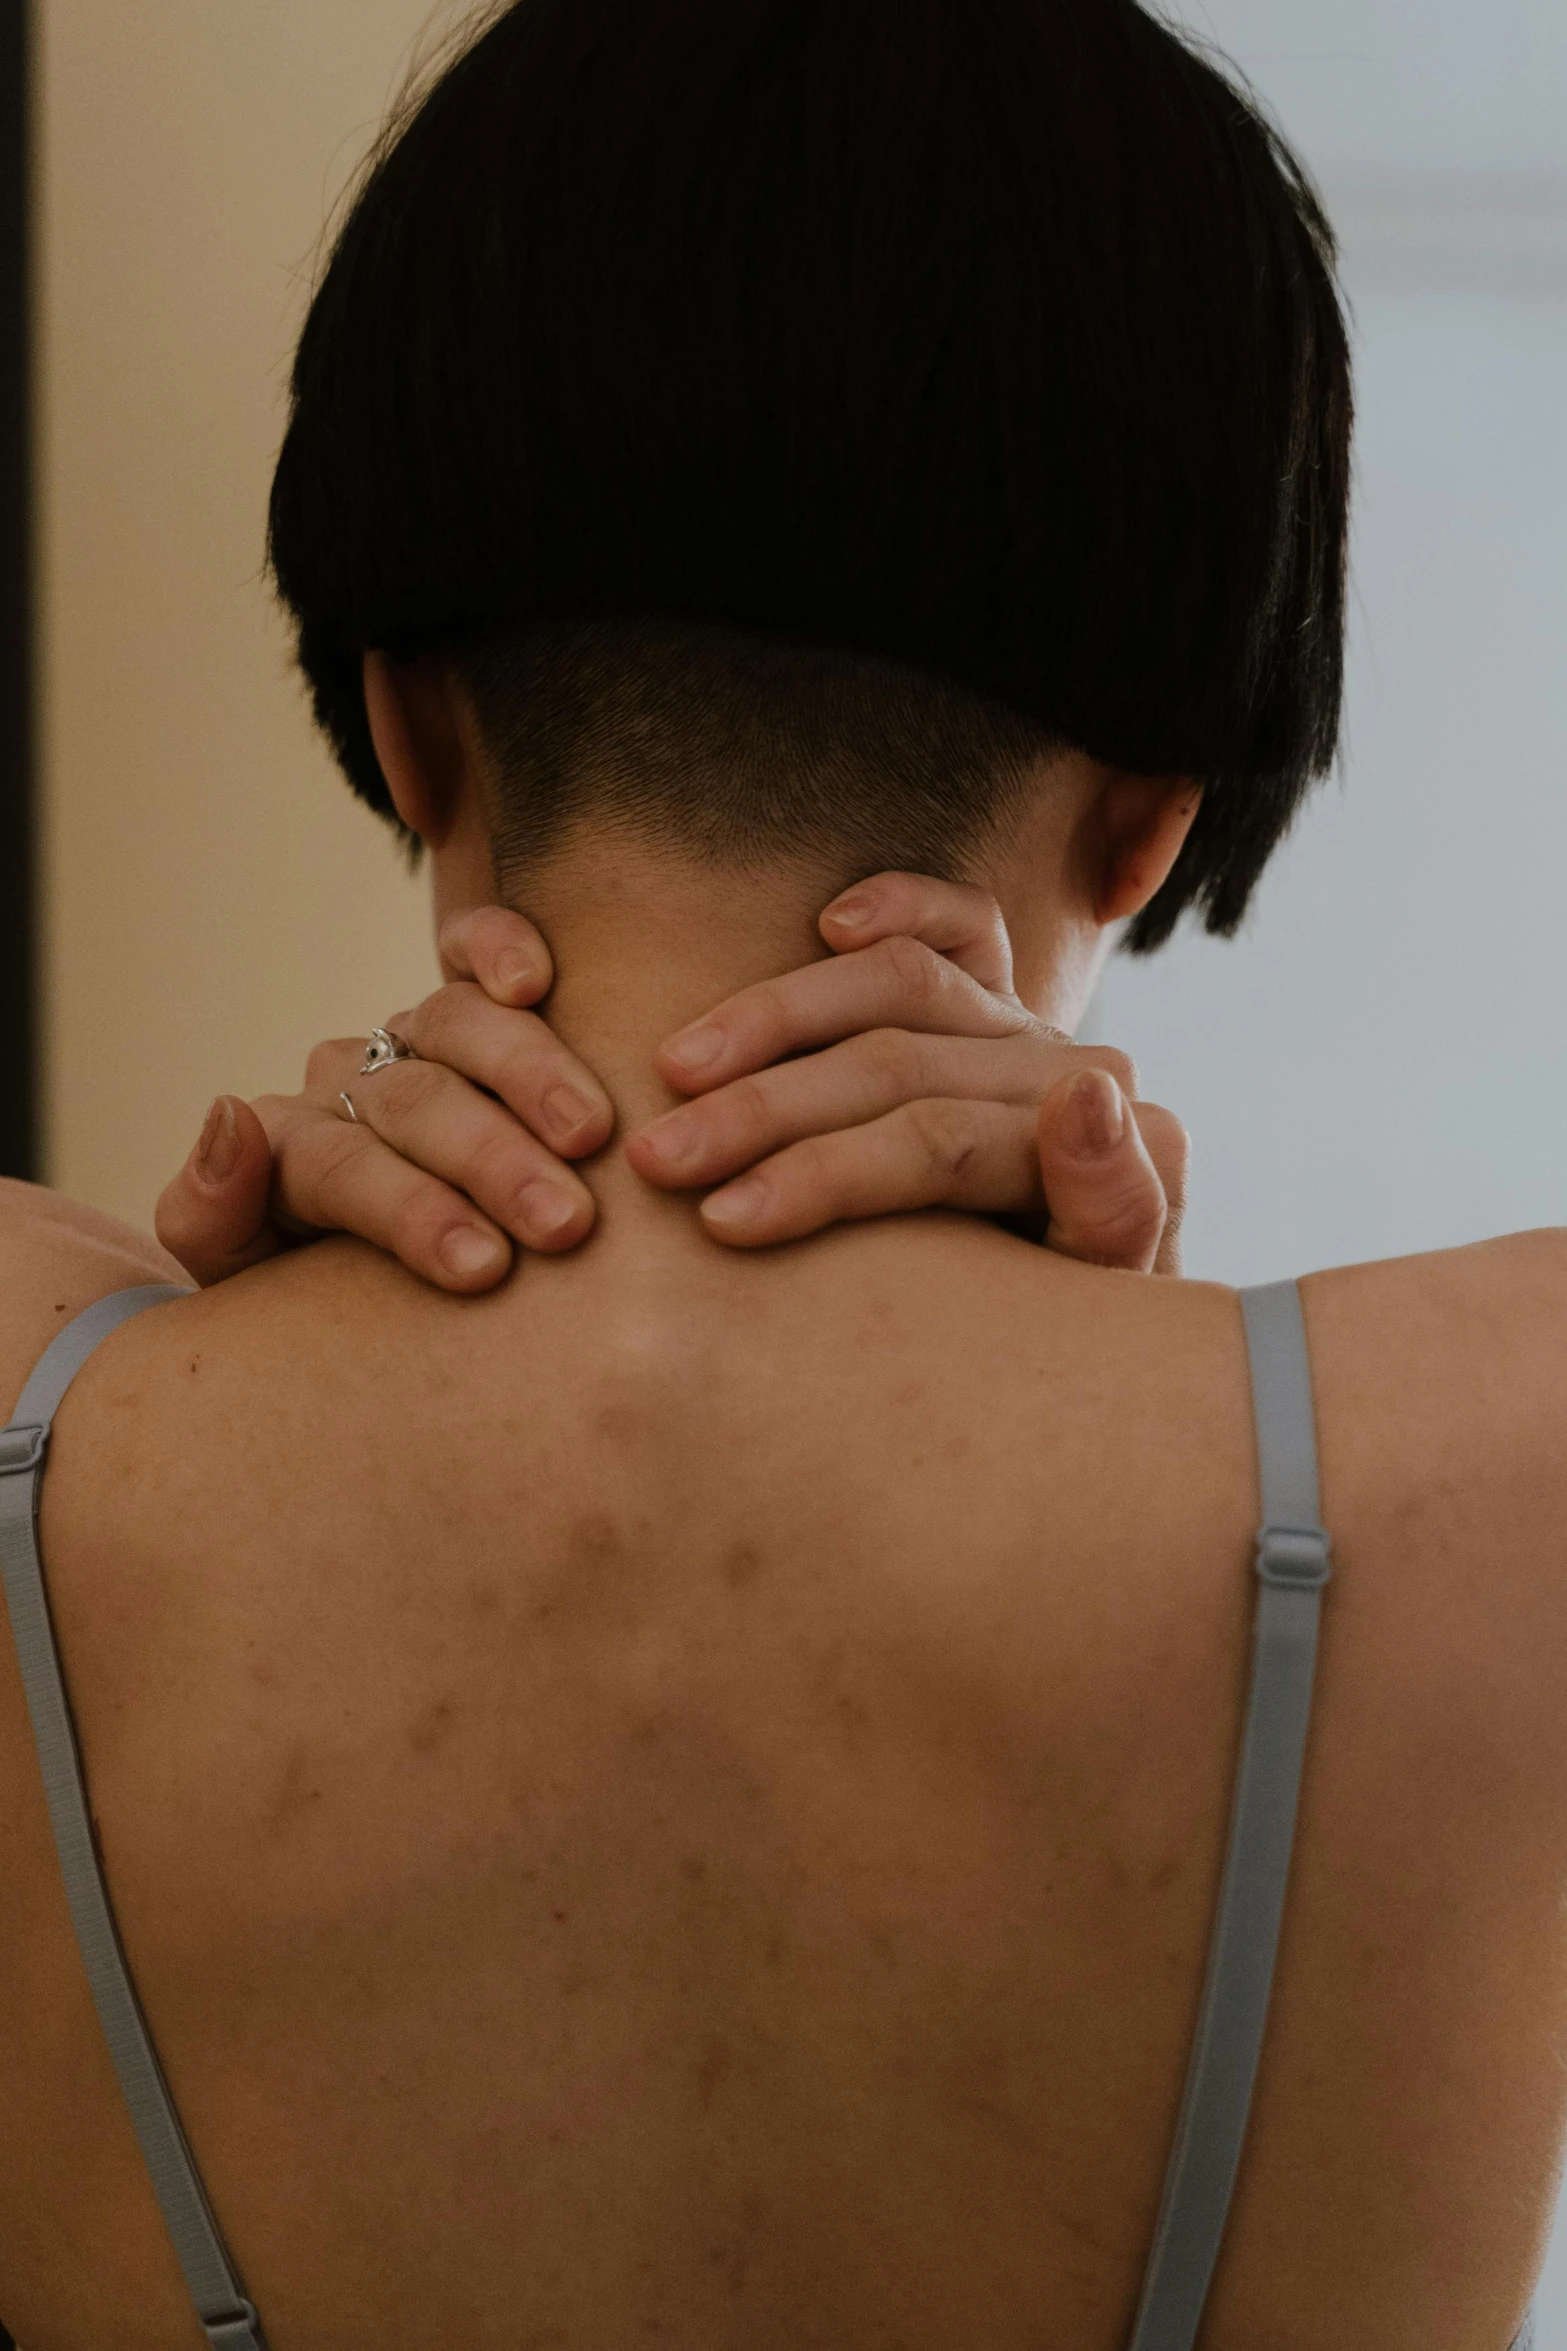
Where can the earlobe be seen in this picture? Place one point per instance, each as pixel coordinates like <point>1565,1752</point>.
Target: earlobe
<point>418,741</point>
<point>1142,824</point>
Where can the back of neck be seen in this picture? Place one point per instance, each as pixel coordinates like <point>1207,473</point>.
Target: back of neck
<point>645,941</point>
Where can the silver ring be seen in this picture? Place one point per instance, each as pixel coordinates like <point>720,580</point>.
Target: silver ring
<point>382,1048</point>
<point>347,1101</point>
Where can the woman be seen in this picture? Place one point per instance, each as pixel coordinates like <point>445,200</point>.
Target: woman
<point>687,1796</point>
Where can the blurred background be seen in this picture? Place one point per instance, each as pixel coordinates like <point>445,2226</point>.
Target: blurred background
<point>212,900</point>
<point>1376,1066</point>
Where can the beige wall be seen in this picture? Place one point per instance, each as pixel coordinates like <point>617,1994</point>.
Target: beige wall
<point>214,898</point>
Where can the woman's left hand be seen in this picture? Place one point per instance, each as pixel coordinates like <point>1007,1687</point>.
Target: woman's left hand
<point>450,1158</point>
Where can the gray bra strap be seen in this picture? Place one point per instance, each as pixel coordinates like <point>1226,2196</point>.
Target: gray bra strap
<point>229,2319</point>
<point>1292,1567</point>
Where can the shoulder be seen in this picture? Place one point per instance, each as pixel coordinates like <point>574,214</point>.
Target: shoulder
<point>1105,1405</point>
<point>1449,1365</point>
<point>57,1257</point>
<point>1442,1403</point>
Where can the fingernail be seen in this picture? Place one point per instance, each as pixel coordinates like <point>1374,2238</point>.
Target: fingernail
<point>852,913</point>
<point>1094,1119</point>
<point>566,1111</point>
<point>737,1203</point>
<point>695,1048</point>
<point>546,1209</point>
<point>217,1151</point>
<point>466,1250</point>
<point>515,975</point>
<point>672,1138</point>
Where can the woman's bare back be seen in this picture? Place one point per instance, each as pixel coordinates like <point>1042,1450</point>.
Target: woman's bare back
<point>684,1802</point>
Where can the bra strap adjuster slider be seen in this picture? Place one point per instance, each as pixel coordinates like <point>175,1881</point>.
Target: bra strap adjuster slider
<point>1296,1557</point>
<point>21,1449</point>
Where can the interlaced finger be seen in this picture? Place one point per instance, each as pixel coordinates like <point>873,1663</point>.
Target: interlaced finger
<point>437,1120</point>
<point>979,1156</point>
<point>499,949</point>
<point>714,1137</point>
<point>899,983</point>
<point>957,920</point>
<point>330,1175</point>
<point>512,1054</point>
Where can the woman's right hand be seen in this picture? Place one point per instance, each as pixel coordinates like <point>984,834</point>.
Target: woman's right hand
<point>904,1073</point>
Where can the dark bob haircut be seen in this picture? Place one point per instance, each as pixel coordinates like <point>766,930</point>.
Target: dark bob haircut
<point>997,339</point>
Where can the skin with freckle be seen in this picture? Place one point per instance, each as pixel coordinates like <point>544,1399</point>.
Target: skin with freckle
<point>683,1799</point>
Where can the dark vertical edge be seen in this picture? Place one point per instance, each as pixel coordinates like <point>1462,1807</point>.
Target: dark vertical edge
<point>18,829</point>
<point>20,1152</point>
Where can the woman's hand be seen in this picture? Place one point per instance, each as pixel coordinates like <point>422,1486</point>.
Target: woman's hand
<point>914,1078</point>
<point>931,1086</point>
<point>449,1159</point>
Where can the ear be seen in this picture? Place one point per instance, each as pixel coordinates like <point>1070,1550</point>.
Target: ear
<point>1134,830</point>
<point>419,739</point>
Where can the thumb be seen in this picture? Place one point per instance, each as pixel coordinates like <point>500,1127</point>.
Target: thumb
<point>214,1216</point>
<point>1105,1200</point>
